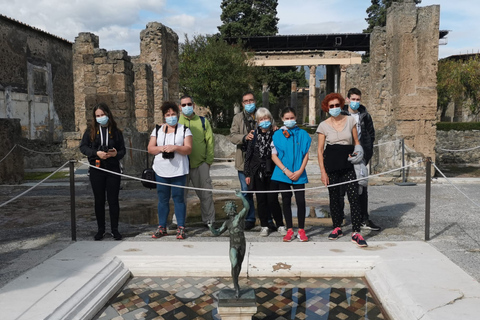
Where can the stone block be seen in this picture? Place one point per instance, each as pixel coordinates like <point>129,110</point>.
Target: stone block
<point>141,113</point>
<point>104,69</point>
<point>117,55</point>
<point>88,59</point>
<point>116,82</point>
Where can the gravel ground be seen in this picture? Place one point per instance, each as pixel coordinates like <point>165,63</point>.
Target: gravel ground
<point>37,225</point>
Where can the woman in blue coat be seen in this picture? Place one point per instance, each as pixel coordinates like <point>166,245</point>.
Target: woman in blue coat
<point>290,154</point>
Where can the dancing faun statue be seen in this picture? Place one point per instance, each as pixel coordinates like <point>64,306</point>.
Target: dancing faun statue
<point>235,226</point>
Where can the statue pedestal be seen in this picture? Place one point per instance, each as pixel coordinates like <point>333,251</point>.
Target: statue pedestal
<point>231,308</point>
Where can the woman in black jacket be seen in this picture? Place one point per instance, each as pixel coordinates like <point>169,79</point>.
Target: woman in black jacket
<point>103,144</point>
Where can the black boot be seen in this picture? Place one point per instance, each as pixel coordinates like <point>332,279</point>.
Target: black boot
<point>99,236</point>
<point>116,234</point>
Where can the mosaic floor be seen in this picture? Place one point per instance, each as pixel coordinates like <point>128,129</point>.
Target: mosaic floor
<point>277,298</point>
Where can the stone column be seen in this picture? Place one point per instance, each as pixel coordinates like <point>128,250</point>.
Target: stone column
<point>265,95</point>
<point>11,168</point>
<point>293,95</point>
<point>83,75</point>
<point>312,95</point>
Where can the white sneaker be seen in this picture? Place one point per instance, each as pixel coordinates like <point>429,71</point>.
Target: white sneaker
<point>282,230</point>
<point>264,232</point>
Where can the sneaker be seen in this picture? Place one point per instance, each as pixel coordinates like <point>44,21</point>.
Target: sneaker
<point>272,227</point>
<point>358,239</point>
<point>289,236</point>
<point>264,232</point>
<point>116,235</point>
<point>181,233</point>
<point>369,225</point>
<point>249,225</point>
<point>161,232</point>
<point>282,230</point>
<point>336,233</point>
<point>99,236</point>
<point>302,236</point>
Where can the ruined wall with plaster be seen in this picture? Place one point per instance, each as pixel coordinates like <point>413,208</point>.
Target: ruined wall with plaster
<point>36,80</point>
<point>402,94</point>
<point>134,88</point>
<point>11,168</point>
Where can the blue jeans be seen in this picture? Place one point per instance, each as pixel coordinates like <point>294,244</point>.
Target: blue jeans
<point>164,193</point>
<point>249,196</point>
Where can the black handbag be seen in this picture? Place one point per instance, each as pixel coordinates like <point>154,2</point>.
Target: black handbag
<point>148,173</point>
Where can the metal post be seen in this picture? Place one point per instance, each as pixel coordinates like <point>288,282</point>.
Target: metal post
<point>404,178</point>
<point>427,198</point>
<point>72,201</point>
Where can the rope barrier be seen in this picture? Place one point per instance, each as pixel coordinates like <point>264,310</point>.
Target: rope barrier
<point>383,143</point>
<point>458,150</point>
<point>39,151</point>
<point>27,191</point>
<point>8,153</point>
<point>455,185</point>
<point>233,191</point>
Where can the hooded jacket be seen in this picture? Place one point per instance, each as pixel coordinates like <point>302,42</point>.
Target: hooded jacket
<point>367,136</point>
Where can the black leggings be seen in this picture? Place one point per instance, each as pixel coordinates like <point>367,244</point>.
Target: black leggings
<point>337,198</point>
<point>287,203</point>
<point>267,203</point>
<point>104,182</point>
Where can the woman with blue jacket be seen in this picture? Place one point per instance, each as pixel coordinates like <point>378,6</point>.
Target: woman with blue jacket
<point>290,153</point>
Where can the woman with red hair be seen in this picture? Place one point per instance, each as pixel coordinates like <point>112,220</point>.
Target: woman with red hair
<point>338,149</point>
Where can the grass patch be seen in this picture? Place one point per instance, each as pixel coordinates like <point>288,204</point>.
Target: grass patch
<point>43,175</point>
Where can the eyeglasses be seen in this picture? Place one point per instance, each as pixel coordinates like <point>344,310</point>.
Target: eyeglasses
<point>187,104</point>
<point>336,105</point>
<point>249,101</point>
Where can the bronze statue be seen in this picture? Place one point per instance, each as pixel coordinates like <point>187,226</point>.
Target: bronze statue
<point>235,226</point>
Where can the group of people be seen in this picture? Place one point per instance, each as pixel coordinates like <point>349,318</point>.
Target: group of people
<point>270,159</point>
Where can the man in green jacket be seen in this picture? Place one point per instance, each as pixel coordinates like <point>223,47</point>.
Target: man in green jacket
<point>201,157</point>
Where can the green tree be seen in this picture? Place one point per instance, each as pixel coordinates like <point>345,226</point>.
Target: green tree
<point>216,74</point>
<point>459,82</point>
<point>377,13</point>
<point>248,18</point>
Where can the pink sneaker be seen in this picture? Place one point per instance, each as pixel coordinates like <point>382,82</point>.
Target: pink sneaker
<point>301,235</point>
<point>358,239</point>
<point>288,237</point>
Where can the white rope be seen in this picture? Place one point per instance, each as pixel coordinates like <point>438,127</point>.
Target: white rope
<point>8,153</point>
<point>216,159</point>
<point>39,151</point>
<point>381,144</point>
<point>25,192</point>
<point>455,186</point>
<point>458,150</point>
<point>230,191</point>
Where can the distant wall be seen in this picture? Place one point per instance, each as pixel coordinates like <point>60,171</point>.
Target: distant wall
<point>458,140</point>
<point>36,81</point>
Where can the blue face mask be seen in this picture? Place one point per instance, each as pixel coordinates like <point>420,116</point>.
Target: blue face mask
<point>290,123</point>
<point>334,112</point>
<point>265,124</point>
<point>187,110</point>
<point>171,121</point>
<point>103,120</point>
<point>250,108</point>
<point>354,105</point>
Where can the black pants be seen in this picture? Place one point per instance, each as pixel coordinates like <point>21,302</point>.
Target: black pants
<point>109,184</point>
<point>267,203</point>
<point>337,194</point>
<point>362,199</point>
<point>285,188</point>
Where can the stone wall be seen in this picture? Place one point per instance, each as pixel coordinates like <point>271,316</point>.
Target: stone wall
<point>36,80</point>
<point>11,168</point>
<point>400,89</point>
<point>458,140</point>
<point>133,87</point>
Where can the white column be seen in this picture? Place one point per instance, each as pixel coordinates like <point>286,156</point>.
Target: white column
<point>312,95</point>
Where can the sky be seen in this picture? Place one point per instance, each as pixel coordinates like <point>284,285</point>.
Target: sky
<point>118,22</point>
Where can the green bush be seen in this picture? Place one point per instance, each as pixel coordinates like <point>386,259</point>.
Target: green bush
<point>459,126</point>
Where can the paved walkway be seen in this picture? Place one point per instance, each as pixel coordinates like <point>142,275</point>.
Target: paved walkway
<point>31,232</point>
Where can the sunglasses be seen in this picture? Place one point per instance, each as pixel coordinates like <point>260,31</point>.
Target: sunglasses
<point>336,105</point>
<point>187,104</point>
<point>249,101</point>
